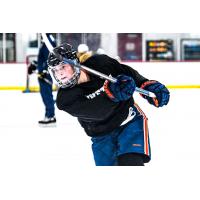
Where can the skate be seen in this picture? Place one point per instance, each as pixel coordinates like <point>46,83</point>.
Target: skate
<point>47,122</point>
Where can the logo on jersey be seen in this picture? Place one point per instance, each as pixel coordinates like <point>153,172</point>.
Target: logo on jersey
<point>131,115</point>
<point>95,94</point>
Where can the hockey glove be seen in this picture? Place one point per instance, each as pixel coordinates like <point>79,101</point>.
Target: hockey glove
<point>32,67</point>
<point>122,90</point>
<point>161,92</point>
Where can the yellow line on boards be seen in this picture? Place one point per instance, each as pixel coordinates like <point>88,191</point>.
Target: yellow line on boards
<point>36,89</point>
<point>18,88</point>
<point>183,86</point>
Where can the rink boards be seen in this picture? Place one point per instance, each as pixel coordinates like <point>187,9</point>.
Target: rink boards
<point>173,74</point>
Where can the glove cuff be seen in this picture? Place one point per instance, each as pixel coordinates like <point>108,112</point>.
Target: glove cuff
<point>107,90</point>
<point>143,86</point>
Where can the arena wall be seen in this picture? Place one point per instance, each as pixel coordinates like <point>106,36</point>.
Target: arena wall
<point>173,74</point>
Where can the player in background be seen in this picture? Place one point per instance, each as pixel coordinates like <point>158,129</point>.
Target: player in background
<point>116,124</point>
<point>45,82</point>
<point>83,53</point>
<point>101,51</point>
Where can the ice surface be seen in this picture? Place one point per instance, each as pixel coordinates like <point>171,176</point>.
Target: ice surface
<point>51,163</point>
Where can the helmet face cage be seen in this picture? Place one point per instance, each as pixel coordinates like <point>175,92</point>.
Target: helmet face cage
<point>69,83</point>
<point>56,58</point>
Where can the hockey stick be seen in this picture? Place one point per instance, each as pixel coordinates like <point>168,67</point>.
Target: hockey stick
<point>114,80</point>
<point>44,79</point>
<point>35,71</point>
<point>99,74</point>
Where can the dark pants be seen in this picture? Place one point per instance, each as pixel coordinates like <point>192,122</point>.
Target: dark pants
<point>125,143</point>
<point>47,97</point>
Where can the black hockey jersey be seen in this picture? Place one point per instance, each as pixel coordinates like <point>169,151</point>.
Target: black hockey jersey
<point>96,112</point>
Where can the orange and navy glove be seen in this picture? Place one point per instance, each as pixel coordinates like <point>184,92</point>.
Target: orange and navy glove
<point>122,90</point>
<point>161,92</point>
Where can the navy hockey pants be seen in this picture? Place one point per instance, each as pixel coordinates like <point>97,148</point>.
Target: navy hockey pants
<point>132,137</point>
<point>47,97</point>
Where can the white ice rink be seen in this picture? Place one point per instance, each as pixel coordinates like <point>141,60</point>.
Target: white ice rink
<point>56,163</point>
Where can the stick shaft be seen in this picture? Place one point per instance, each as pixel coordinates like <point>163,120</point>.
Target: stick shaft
<point>46,41</point>
<point>99,74</point>
<point>114,80</point>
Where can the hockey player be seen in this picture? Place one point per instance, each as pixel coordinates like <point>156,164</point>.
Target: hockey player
<point>107,111</point>
<point>46,88</point>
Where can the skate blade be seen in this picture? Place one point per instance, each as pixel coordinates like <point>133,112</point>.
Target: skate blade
<point>52,125</point>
